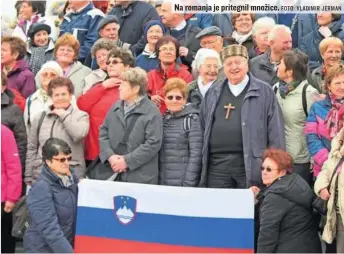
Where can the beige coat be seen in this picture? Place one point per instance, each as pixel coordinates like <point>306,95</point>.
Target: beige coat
<point>323,181</point>
<point>72,127</point>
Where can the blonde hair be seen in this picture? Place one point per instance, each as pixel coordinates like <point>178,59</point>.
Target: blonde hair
<point>332,73</point>
<point>68,40</point>
<point>176,83</point>
<point>325,43</point>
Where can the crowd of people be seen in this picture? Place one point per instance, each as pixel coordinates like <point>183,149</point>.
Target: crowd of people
<point>239,100</point>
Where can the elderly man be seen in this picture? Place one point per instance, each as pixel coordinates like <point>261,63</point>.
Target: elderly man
<point>264,67</point>
<point>183,32</point>
<point>82,23</point>
<point>240,117</point>
<point>207,64</point>
<point>331,50</point>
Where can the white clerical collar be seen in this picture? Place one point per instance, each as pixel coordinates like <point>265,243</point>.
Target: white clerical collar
<point>237,89</point>
<point>180,26</point>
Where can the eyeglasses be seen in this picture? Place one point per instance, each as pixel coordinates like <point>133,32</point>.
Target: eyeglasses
<point>62,160</point>
<point>177,97</point>
<point>113,62</point>
<point>49,75</point>
<point>268,169</point>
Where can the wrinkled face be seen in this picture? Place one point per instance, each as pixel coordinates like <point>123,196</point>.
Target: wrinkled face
<point>209,70</point>
<point>243,24</point>
<point>101,57</point>
<point>6,54</point>
<point>65,55</point>
<point>110,31</point>
<point>60,163</point>
<point>282,72</point>
<point>167,53</point>
<point>25,11</point>
<point>167,15</point>
<point>281,43</point>
<point>115,67</point>
<point>332,55</point>
<point>175,100</point>
<point>128,93</point>
<point>270,171</point>
<point>41,38</point>
<point>337,86</point>
<point>261,38</point>
<point>154,33</point>
<point>212,42</point>
<point>61,97</point>
<point>235,69</point>
<point>324,18</point>
<point>47,75</point>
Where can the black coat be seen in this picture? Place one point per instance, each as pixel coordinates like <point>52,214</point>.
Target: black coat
<point>287,223</point>
<point>12,117</point>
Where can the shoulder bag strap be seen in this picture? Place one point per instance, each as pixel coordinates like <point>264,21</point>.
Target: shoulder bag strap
<point>304,99</point>
<point>334,172</point>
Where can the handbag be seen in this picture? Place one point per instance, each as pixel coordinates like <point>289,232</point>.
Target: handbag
<point>20,218</point>
<point>320,205</point>
<point>98,170</point>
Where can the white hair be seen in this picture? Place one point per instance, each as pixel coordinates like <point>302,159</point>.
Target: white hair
<point>202,55</point>
<point>261,23</point>
<point>276,29</point>
<point>53,65</point>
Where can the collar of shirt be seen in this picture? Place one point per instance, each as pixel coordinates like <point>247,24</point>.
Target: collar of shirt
<point>203,88</point>
<point>81,9</point>
<point>237,89</point>
<point>181,26</point>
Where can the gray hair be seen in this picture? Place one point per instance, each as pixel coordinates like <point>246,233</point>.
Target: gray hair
<point>54,66</point>
<point>202,55</point>
<point>136,77</point>
<point>261,23</point>
<point>276,29</point>
<point>102,43</point>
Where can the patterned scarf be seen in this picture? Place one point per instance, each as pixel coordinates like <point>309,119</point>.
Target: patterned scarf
<point>67,180</point>
<point>44,95</point>
<point>37,58</point>
<point>241,38</point>
<point>130,107</point>
<point>334,121</point>
<point>285,88</point>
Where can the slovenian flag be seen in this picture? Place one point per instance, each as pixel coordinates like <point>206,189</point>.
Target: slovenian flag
<point>124,217</point>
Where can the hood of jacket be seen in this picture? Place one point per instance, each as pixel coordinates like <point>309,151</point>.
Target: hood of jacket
<point>7,98</point>
<point>293,188</point>
<point>188,109</point>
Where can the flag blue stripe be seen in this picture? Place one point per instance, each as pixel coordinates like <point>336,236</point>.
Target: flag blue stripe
<point>168,229</point>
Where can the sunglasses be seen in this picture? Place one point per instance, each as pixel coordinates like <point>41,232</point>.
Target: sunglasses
<point>268,169</point>
<point>177,97</point>
<point>114,62</point>
<point>62,160</point>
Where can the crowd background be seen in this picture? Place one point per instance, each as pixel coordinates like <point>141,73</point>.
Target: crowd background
<point>132,92</point>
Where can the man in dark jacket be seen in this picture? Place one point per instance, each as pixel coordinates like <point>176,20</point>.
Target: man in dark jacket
<point>183,32</point>
<point>82,23</point>
<point>132,16</point>
<point>240,117</point>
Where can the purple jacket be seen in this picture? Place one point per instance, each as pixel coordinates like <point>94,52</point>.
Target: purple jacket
<point>22,79</point>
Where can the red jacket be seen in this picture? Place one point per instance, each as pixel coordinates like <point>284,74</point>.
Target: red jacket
<point>96,102</point>
<point>11,171</point>
<point>156,80</point>
<point>19,100</point>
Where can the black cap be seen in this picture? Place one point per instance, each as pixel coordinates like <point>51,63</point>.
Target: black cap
<point>212,30</point>
<point>36,27</point>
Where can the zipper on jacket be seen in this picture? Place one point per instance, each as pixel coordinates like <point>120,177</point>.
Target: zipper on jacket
<point>52,127</point>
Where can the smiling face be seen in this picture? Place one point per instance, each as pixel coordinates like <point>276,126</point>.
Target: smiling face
<point>154,33</point>
<point>235,69</point>
<point>101,57</point>
<point>332,55</point>
<point>174,100</point>
<point>61,97</point>
<point>26,11</point>
<point>41,38</point>
<point>243,24</point>
<point>337,86</point>
<point>324,18</point>
<point>167,53</point>
<point>110,31</point>
<point>209,70</point>
<point>65,55</point>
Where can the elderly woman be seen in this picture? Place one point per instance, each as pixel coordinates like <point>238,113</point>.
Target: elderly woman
<point>286,221</point>
<point>331,50</point>
<point>134,158</point>
<point>167,49</point>
<point>66,54</point>
<point>180,161</point>
<point>61,120</point>
<point>295,97</point>
<point>328,25</point>
<point>98,100</point>
<point>100,51</point>
<point>30,12</point>
<point>14,66</point>
<point>330,186</point>
<point>40,100</point>
<point>260,31</point>
<point>153,31</point>
<point>242,23</point>
<point>207,64</point>
<point>52,202</point>
<point>40,47</point>
<point>324,118</point>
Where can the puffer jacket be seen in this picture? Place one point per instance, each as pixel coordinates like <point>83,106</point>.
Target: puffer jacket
<point>12,117</point>
<point>71,126</point>
<point>180,160</point>
<point>323,181</point>
<point>52,208</point>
